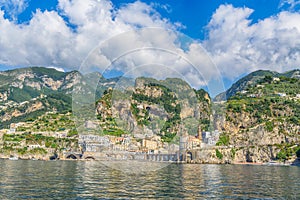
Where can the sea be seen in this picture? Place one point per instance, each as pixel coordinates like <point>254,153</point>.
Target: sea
<point>34,179</point>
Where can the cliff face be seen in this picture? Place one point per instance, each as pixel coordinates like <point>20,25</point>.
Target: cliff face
<point>253,79</point>
<point>28,93</point>
<point>154,107</point>
<point>262,122</point>
<point>259,122</point>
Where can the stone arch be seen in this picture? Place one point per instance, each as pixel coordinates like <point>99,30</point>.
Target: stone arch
<point>72,156</point>
<point>90,158</point>
<point>189,155</point>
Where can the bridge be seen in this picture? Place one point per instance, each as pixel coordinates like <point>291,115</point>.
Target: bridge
<point>121,155</point>
<point>125,155</point>
<point>73,155</point>
<point>162,157</point>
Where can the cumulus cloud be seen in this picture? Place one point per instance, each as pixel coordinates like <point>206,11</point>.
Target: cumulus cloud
<point>96,35</point>
<point>131,50</point>
<point>44,41</point>
<point>14,7</point>
<point>48,39</point>
<point>237,45</point>
<point>291,4</point>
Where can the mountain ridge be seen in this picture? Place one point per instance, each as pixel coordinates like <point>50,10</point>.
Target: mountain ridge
<point>251,79</point>
<point>41,88</point>
<point>258,122</point>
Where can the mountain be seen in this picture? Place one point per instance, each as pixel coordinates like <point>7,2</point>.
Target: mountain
<point>27,93</point>
<point>252,79</point>
<point>155,107</point>
<point>262,121</point>
<point>259,122</point>
<point>42,111</point>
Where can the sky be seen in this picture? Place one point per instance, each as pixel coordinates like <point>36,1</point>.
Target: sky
<point>198,40</point>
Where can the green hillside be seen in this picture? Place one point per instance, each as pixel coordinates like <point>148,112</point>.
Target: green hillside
<point>266,114</point>
<point>253,79</point>
<point>157,107</point>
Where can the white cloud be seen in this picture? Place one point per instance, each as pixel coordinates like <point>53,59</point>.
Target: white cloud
<point>154,48</point>
<point>44,41</point>
<point>234,43</point>
<point>57,68</point>
<point>14,7</point>
<point>48,40</point>
<point>237,46</point>
<point>114,34</point>
<point>291,4</point>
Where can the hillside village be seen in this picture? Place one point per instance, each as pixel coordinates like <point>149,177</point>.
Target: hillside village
<point>258,122</point>
<point>40,140</point>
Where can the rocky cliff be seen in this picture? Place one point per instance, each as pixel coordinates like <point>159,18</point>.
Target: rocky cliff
<point>259,122</point>
<point>27,93</point>
<point>262,122</point>
<point>253,79</point>
<point>164,108</point>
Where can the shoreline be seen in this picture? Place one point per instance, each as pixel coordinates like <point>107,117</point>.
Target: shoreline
<point>272,163</point>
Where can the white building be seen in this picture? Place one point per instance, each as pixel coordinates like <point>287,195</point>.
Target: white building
<point>93,143</point>
<point>282,94</point>
<point>210,138</point>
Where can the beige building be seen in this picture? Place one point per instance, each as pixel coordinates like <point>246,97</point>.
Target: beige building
<point>149,144</point>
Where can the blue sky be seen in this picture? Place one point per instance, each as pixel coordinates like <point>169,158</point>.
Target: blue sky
<point>196,14</point>
<point>193,14</point>
<point>239,36</point>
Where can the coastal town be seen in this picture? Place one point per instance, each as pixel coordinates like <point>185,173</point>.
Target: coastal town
<point>256,121</point>
<point>17,141</point>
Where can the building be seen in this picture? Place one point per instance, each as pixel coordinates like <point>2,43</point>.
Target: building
<point>281,94</point>
<point>193,142</point>
<point>34,146</point>
<point>210,138</point>
<point>189,142</point>
<point>13,127</point>
<point>93,143</point>
<point>149,144</point>
<point>90,125</point>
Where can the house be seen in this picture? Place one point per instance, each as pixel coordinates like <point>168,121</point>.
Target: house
<point>11,131</point>
<point>281,94</point>
<point>149,144</point>
<point>90,125</point>
<point>94,139</point>
<point>140,106</point>
<point>93,143</point>
<point>14,126</point>
<point>260,86</point>
<point>210,138</point>
<point>193,142</point>
<point>34,146</point>
<point>61,134</point>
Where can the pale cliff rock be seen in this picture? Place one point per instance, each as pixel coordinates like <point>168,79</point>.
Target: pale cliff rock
<point>54,85</point>
<point>34,107</point>
<point>4,96</point>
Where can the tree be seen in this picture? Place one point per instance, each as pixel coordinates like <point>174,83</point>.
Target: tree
<point>268,78</point>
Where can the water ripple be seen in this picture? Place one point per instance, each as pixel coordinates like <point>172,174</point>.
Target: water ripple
<point>93,180</point>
